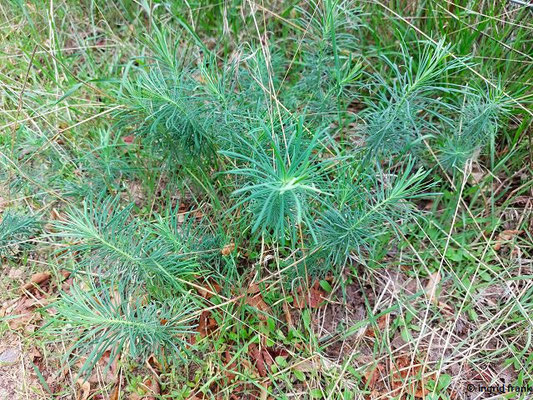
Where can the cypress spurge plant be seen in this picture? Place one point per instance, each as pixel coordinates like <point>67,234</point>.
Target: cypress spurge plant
<point>16,231</point>
<point>121,246</point>
<point>328,50</point>
<point>478,123</point>
<point>106,315</point>
<point>280,179</point>
<point>168,110</point>
<point>369,203</point>
<point>133,297</point>
<point>265,134</point>
<point>409,106</point>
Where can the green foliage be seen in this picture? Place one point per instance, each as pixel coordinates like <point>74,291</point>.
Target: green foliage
<point>168,109</point>
<point>120,246</point>
<point>272,127</point>
<point>116,317</point>
<point>312,131</point>
<point>16,230</point>
<point>409,104</point>
<point>280,178</point>
<point>108,164</point>
<point>370,203</point>
<point>140,297</point>
<point>333,31</point>
<point>480,119</point>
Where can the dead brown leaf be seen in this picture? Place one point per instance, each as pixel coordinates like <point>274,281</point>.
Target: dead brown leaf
<point>114,393</point>
<point>311,365</point>
<point>382,324</point>
<point>102,373</point>
<point>128,139</point>
<point>267,357</point>
<point>312,298</point>
<point>428,205</point>
<point>34,354</point>
<point>154,364</point>
<point>206,324</point>
<point>23,314</point>
<point>253,288</point>
<point>258,302</point>
<point>227,249</point>
<point>209,290</point>
<point>505,236</point>
<point>198,214</point>
<point>83,390</point>
<point>287,314</point>
<point>229,367</point>
<point>372,373</point>
<point>477,176</point>
<point>257,357</point>
<point>36,279</point>
<point>431,287</point>
<point>153,387</point>
<point>56,215</point>
<point>404,378</point>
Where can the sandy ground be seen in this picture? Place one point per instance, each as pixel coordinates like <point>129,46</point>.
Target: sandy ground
<point>15,382</point>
